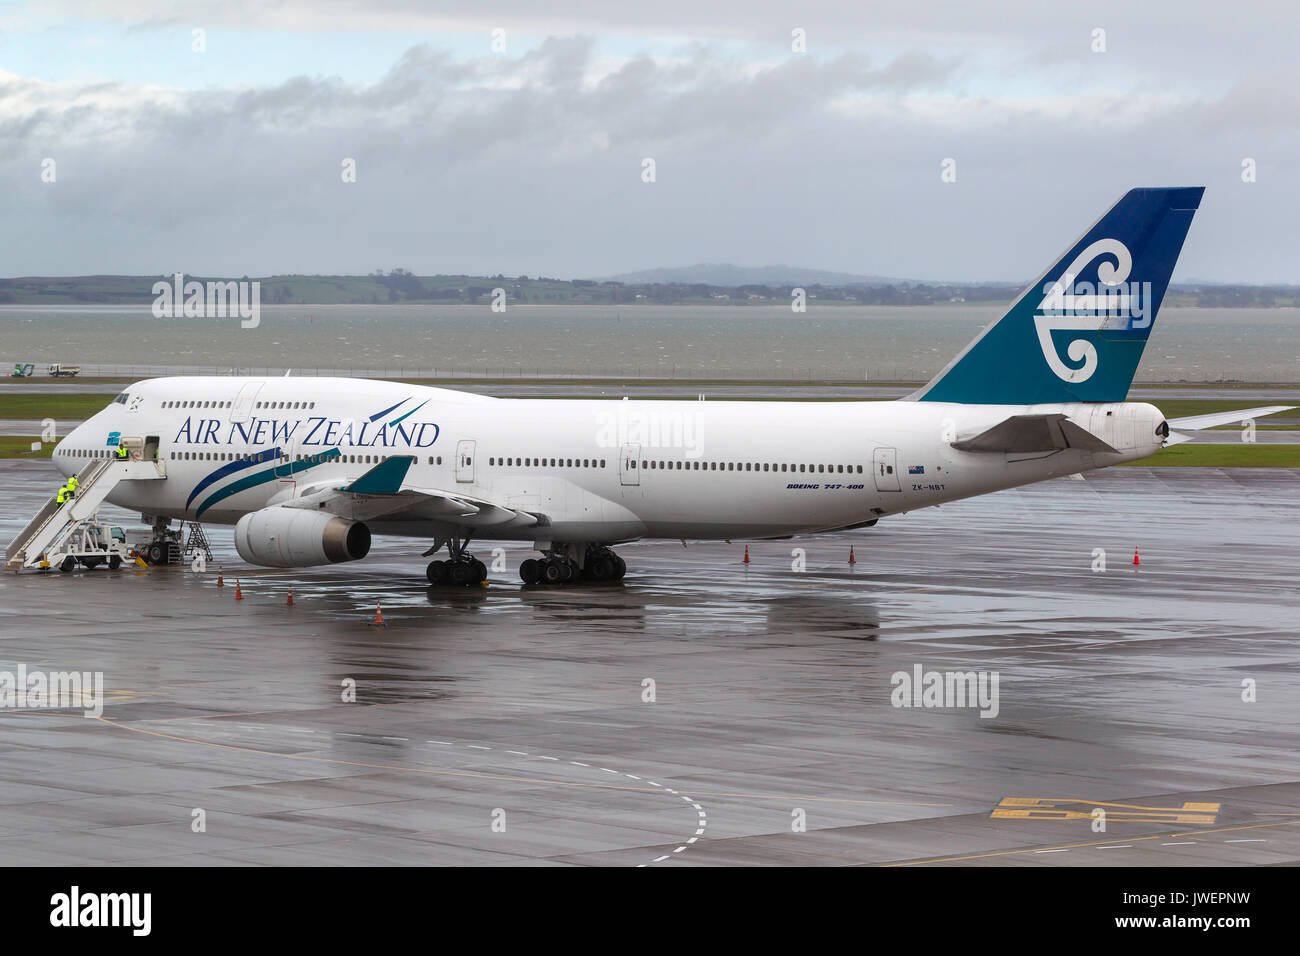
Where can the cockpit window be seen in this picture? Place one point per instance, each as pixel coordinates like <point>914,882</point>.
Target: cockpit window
<point>121,399</point>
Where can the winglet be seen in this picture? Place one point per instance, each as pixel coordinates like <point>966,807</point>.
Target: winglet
<point>385,478</point>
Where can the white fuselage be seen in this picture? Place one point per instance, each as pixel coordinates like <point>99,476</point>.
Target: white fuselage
<point>599,470</point>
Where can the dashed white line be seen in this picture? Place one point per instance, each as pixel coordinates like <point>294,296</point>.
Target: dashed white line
<point>520,753</point>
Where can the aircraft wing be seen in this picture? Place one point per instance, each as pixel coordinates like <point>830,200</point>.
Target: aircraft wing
<point>383,492</point>
<point>1033,433</point>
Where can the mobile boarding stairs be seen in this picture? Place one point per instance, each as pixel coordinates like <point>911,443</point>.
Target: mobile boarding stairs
<point>72,530</point>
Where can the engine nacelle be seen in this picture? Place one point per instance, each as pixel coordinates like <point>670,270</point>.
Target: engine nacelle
<point>297,538</point>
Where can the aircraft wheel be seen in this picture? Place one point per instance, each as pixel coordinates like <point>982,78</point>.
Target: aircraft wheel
<point>480,571</point>
<point>568,572</point>
<point>459,572</point>
<point>436,572</point>
<point>602,569</point>
<point>156,553</point>
<point>553,572</point>
<point>530,571</point>
<point>620,568</point>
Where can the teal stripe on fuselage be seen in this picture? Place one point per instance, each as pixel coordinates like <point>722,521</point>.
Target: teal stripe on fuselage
<point>262,477</point>
<point>226,471</point>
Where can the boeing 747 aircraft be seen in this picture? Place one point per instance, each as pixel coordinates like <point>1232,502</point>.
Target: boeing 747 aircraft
<point>307,469</point>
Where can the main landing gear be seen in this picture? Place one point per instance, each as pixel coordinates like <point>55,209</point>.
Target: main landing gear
<point>558,566</point>
<point>462,570</point>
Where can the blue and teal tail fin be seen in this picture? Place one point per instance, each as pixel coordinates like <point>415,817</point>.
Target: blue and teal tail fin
<point>1077,334</point>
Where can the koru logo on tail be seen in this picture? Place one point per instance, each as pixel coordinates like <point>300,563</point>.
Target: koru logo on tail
<point>1111,303</point>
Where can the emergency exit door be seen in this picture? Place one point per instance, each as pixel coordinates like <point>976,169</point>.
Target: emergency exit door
<point>886,469</point>
<point>628,460</point>
<point>465,459</point>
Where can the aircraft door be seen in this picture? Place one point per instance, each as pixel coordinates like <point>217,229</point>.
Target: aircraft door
<point>284,464</point>
<point>243,403</point>
<point>465,459</point>
<point>629,464</point>
<point>886,469</point>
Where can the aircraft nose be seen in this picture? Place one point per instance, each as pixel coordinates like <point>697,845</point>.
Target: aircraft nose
<point>64,457</point>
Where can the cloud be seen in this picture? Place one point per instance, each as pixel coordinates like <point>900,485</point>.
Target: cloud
<point>530,161</point>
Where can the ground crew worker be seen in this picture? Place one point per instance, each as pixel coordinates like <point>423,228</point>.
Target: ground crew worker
<point>72,486</point>
<point>63,495</point>
<point>121,453</point>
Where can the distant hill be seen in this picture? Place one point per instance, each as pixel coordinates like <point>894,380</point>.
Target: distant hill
<point>692,285</point>
<point>731,276</point>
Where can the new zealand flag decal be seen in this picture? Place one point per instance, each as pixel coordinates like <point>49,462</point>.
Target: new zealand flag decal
<point>916,469</point>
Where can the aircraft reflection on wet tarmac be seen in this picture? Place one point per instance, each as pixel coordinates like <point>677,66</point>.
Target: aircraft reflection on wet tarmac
<point>769,692</point>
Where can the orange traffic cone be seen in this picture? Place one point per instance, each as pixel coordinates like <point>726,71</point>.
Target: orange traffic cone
<point>852,559</point>
<point>746,561</point>
<point>379,618</point>
<point>239,595</point>
<point>289,602</point>
<point>220,582</point>
<point>1135,556</point>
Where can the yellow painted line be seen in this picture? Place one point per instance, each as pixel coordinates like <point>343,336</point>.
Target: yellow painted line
<point>1046,814</point>
<point>1051,801</point>
<point>1044,808</point>
<point>1075,846</point>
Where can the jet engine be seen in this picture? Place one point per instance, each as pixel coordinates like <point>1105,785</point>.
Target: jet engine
<point>296,538</point>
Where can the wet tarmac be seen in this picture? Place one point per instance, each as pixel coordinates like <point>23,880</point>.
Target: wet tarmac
<point>505,725</point>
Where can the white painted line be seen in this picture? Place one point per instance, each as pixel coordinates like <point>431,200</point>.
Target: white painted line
<point>579,763</point>
<point>1245,841</point>
<point>660,859</point>
<point>1184,843</point>
<point>395,738</point>
<point>1051,851</point>
<point>679,849</point>
<point>540,757</point>
<point>477,747</point>
<point>517,753</point>
<point>1117,846</point>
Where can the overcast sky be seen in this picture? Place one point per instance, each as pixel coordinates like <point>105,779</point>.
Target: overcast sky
<point>530,159</point>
